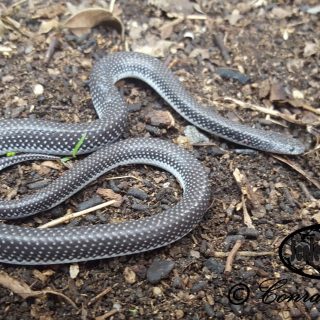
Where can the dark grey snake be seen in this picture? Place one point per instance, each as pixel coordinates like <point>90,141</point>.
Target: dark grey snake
<point>23,245</point>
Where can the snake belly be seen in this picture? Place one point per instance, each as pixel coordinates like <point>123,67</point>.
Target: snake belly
<point>21,245</point>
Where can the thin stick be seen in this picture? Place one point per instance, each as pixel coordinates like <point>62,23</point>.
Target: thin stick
<point>73,215</point>
<point>111,6</point>
<point>220,254</point>
<point>100,295</point>
<point>232,255</point>
<point>107,315</point>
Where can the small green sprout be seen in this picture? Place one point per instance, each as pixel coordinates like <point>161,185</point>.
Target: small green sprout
<point>10,154</point>
<point>76,148</point>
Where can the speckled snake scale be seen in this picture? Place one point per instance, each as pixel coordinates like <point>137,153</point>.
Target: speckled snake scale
<point>42,139</point>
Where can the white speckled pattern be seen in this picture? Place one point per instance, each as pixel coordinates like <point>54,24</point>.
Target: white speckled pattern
<point>22,245</point>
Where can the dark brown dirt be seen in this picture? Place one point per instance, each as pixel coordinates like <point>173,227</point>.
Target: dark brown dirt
<point>267,43</point>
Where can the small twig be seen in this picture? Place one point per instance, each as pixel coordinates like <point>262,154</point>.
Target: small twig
<point>297,168</point>
<point>107,314</point>
<point>220,254</point>
<point>54,42</point>
<point>306,191</point>
<point>218,39</point>
<point>73,215</point>
<point>124,177</point>
<point>100,295</point>
<point>232,255</point>
<point>246,217</point>
<point>287,117</point>
<point>111,6</point>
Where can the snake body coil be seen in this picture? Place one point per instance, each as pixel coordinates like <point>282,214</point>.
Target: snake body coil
<point>68,244</point>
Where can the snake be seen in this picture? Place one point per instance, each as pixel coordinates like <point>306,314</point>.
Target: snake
<point>39,139</point>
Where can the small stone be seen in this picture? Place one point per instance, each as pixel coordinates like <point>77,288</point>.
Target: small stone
<point>129,275</point>
<point>94,201</point>
<point>194,135</point>
<point>38,184</point>
<point>160,118</point>
<point>38,89</point>
<point>179,314</point>
<point>159,270</point>
<point>137,193</point>
<point>195,254</point>
<point>198,286</point>
<point>214,265</point>
<point>249,233</point>
<point>209,310</point>
<point>177,283</point>
<point>7,78</point>
<point>157,291</point>
<point>139,207</point>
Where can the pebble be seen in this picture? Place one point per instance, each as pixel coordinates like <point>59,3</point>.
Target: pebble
<point>38,184</point>
<point>179,314</point>
<point>177,283</point>
<point>134,107</point>
<point>38,89</point>
<point>194,135</point>
<point>137,193</point>
<point>129,275</point>
<point>198,286</point>
<point>249,233</point>
<point>195,254</point>
<point>139,207</point>
<point>160,118</point>
<point>94,201</point>
<point>269,234</point>
<point>152,129</point>
<point>214,265</point>
<point>157,291</point>
<point>159,270</point>
<point>209,310</point>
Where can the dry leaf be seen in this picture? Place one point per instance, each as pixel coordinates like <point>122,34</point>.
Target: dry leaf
<point>47,26</point>
<point>20,288</point>
<point>109,194</point>
<point>310,49</point>
<point>277,92</point>
<point>82,21</point>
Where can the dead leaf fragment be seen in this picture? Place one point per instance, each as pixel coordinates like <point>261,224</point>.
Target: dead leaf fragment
<point>310,49</point>
<point>47,26</point>
<point>22,289</point>
<point>82,21</point>
<point>277,92</point>
<point>109,194</point>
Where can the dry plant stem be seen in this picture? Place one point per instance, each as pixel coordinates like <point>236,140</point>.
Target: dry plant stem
<point>111,6</point>
<point>232,255</point>
<point>297,168</point>
<point>100,295</point>
<point>220,254</point>
<point>272,112</point>
<point>107,315</point>
<point>69,216</point>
